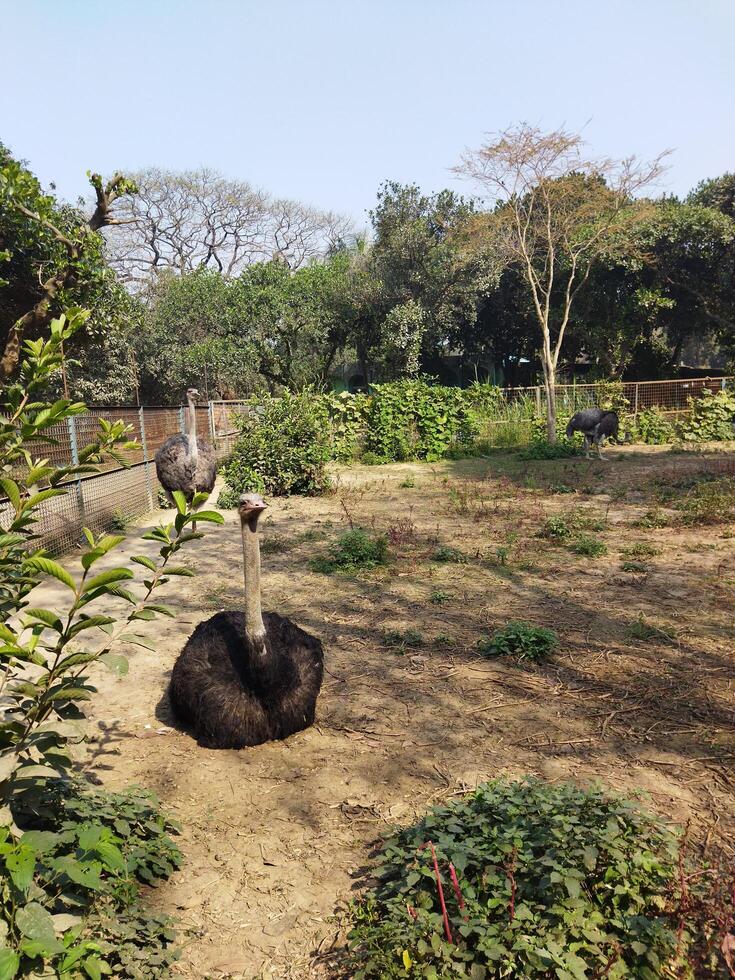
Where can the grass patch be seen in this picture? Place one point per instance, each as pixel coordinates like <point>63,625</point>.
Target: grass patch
<point>274,544</point>
<point>540,449</point>
<point>520,641</point>
<point>641,549</point>
<point>408,484</point>
<point>355,550</point>
<point>653,518</point>
<point>634,566</point>
<point>439,598</point>
<point>588,546</point>
<point>709,503</point>
<point>402,640</point>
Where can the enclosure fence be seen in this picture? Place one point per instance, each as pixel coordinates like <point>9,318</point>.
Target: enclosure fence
<point>116,495</point>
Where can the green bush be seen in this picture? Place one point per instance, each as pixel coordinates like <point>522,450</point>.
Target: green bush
<point>283,447</point>
<point>446,553</point>
<point>521,641</point>
<point>708,502</point>
<point>540,449</point>
<point>553,881</point>
<point>353,551</point>
<point>652,427</point>
<point>710,418</point>
<point>557,528</point>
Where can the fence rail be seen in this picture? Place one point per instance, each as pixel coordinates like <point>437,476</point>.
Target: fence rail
<point>110,498</point>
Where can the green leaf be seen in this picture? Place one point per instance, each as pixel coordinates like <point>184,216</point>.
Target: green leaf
<point>46,616</point>
<point>139,640</point>
<point>21,864</point>
<point>88,622</point>
<point>40,841</point>
<point>180,501</point>
<point>144,560</point>
<point>9,963</point>
<point>115,662</point>
<point>49,567</point>
<point>157,607</point>
<point>210,516</point>
<point>12,492</point>
<point>107,578</point>
<point>35,922</point>
<point>101,548</point>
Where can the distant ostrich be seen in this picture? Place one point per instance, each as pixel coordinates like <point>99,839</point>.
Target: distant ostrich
<point>243,678</point>
<point>595,425</point>
<point>185,462</point>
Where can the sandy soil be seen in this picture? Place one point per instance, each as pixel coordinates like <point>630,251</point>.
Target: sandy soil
<point>276,838</point>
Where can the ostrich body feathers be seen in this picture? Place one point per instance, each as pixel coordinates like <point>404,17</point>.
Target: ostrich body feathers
<point>594,424</point>
<point>176,470</point>
<point>230,697</point>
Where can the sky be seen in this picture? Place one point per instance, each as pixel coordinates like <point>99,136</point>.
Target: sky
<point>322,100</point>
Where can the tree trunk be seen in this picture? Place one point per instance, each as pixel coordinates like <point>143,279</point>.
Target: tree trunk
<point>550,392</point>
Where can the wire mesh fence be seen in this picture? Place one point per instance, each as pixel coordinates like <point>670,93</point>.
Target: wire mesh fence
<point>113,497</point>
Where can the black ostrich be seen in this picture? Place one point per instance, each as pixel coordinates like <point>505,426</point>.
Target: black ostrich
<point>596,425</point>
<point>244,678</point>
<point>185,462</point>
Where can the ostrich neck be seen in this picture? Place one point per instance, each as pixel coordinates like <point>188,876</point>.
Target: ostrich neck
<point>192,432</point>
<point>254,626</point>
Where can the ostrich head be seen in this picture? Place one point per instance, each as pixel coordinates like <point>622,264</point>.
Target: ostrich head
<point>192,394</point>
<point>250,507</point>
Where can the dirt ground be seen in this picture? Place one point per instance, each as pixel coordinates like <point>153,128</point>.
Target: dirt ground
<point>276,838</point>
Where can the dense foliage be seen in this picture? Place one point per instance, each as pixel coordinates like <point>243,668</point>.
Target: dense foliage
<point>538,880</point>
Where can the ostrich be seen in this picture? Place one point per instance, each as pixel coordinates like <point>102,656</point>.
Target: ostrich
<point>595,425</point>
<point>244,678</point>
<point>186,463</point>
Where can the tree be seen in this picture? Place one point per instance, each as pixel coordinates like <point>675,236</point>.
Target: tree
<point>54,253</point>
<point>717,193</point>
<point>198,219</point>
<point>556,212</point>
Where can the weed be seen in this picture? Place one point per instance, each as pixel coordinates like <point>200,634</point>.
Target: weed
<point>353,551</point>
<point>313,534</point>
<point>541,449</point>
<point>439,598</point>
<point>521,641</point>
<point>401,532</point>
<point>120,521</point>
<point>445,553</point>
<point>402,639</point>
<point>556,528</point>
<point>641,549</point>
<point>643,629</point>
<point>502,555</point>
<point>709,503</point>
<point>560,488</point>
<point>634,566</point>
<point>444,640</point>
<point>408,484</point>
<point>653,518</point>
<point>589,547</point>
<point>370,458</point>
<point>162,497</point>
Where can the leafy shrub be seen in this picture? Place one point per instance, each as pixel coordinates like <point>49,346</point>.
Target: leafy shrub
<point>446,553</point>
<point>354,550</point>
<point>369,458</point>
<point>556,528</point>
<point>521,641</point>
<point>408,484</point>
<point>551,881</point>
<point>653,518</point>
<point>283,447</point>
<point>652,427</point>
<point>589,547</point>
<point>710,418</point>
<point>347,423</point>
<point>70,895</point>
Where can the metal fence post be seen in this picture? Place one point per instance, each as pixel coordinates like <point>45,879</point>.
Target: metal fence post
<point>210,414</point>
<point>635,410</point>
<point>146,459</point>
<point>73,445</point>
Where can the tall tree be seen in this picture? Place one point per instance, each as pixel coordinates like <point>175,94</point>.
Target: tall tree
<point>556,212</point>
<point>54,254</point>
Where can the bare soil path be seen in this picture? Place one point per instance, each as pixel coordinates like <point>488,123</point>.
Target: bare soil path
<point>275,837</point>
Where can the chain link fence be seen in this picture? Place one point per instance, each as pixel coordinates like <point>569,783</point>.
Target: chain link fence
<point>113,497</point>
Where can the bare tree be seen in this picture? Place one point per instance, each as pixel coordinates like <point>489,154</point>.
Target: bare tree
<point>556,211</point>
<point>199,219</point>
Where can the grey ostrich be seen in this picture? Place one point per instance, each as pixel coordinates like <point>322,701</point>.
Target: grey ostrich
<point>244,678</point>
<point>596,425</point>
<point>185,462</point>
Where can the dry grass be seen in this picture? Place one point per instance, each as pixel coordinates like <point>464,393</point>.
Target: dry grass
<point>274,836</point>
